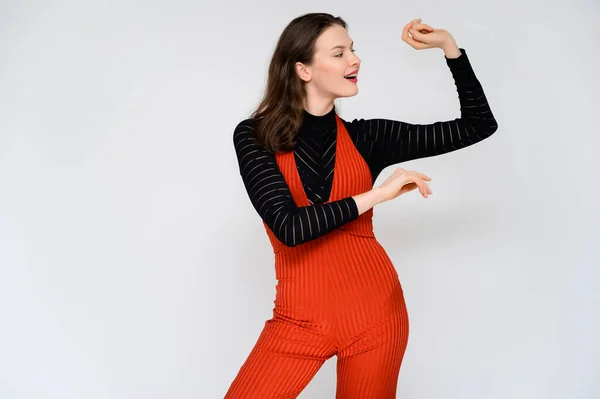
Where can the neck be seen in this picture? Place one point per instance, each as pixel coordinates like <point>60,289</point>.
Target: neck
<point>319,122</point>
<point>316,104</point>
<point>318,109</point>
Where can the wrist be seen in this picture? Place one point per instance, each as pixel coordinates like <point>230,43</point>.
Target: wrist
<point>378,195</point>
<point>451,49</point>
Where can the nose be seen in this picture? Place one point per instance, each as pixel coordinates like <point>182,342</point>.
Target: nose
<point>355,61</point>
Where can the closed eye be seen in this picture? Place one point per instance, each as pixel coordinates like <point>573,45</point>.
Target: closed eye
<point>340,54</point>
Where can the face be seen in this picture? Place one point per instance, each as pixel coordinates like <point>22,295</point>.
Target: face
<point>334,58</point>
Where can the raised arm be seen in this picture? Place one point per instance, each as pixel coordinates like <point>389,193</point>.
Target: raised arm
<point>272,199</point>
<point>390,141</point>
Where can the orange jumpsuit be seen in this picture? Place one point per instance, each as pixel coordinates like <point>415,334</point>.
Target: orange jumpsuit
<point>338,294</point>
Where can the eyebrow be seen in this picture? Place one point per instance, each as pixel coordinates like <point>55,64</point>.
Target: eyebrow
<point>340,46</point>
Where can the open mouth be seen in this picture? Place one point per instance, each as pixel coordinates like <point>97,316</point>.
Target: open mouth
<point>352,76</point>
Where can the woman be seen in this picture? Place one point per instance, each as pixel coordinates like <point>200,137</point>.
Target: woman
<point>310,175</point>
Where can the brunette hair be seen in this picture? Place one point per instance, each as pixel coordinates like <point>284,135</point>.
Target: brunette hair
<point>279,115</point>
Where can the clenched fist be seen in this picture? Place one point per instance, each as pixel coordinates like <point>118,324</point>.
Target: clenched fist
<point>423,36</point>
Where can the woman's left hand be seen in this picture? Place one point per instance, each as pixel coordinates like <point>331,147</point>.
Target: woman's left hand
<point>424,36</point>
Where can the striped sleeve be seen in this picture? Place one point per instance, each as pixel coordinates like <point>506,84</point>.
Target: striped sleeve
<point>387,142</point>
<point>272,199</point>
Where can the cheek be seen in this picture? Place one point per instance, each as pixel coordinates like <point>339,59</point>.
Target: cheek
<point>335,69</point>
<point>330,71</point>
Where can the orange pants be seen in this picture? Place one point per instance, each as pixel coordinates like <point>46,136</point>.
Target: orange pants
<point>348,304</point>
<point>338,295</point>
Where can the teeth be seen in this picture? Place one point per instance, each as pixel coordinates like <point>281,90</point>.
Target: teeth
<point>350,76</point>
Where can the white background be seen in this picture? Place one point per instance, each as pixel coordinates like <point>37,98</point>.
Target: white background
<point>133,265</point>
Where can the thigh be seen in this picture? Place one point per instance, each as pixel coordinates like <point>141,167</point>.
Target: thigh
<point>369,368</point>
<point>283,361</point>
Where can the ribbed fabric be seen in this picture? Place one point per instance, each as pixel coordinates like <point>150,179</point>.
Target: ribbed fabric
<point>338,294</point>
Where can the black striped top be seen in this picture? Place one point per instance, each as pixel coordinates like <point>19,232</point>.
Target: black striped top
<point>381,142</point>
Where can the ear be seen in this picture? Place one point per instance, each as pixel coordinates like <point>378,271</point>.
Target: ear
<point>303,71</point>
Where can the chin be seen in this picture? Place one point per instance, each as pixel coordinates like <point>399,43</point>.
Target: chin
<point>349,94</point>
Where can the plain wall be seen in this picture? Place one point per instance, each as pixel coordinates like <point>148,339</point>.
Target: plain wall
<point>133,265</point>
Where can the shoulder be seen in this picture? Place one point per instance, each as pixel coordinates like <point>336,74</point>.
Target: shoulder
<point>248,123</point>
<point>355,125</point>
<point>244,130</point>
<point>244,135</point>
<point>246,145</point>
<point>352,122</point>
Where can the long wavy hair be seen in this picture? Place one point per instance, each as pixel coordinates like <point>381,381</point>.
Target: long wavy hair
<point>280,113</point>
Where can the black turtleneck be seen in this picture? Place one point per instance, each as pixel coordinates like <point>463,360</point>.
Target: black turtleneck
<point>381,142</point>
<point>315,154</point>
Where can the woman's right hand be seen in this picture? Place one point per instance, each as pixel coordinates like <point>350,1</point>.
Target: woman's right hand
<point>402,181</point>
<point>399,182</point>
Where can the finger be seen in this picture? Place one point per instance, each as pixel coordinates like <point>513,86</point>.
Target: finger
<point>407,27</point>
<point>415,43</point>
<point>424,176</point>
<point>421,188</point>
<point>427,190</point>
<point>418,36</point>
<point>421,27</point>
<point>405,32</point>
<point>414,23</point>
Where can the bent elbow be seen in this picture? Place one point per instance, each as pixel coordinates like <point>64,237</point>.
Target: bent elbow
<point>492,127</point>
<point>285,234</point>
<point>485,130</point>
<point>287,238</point>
